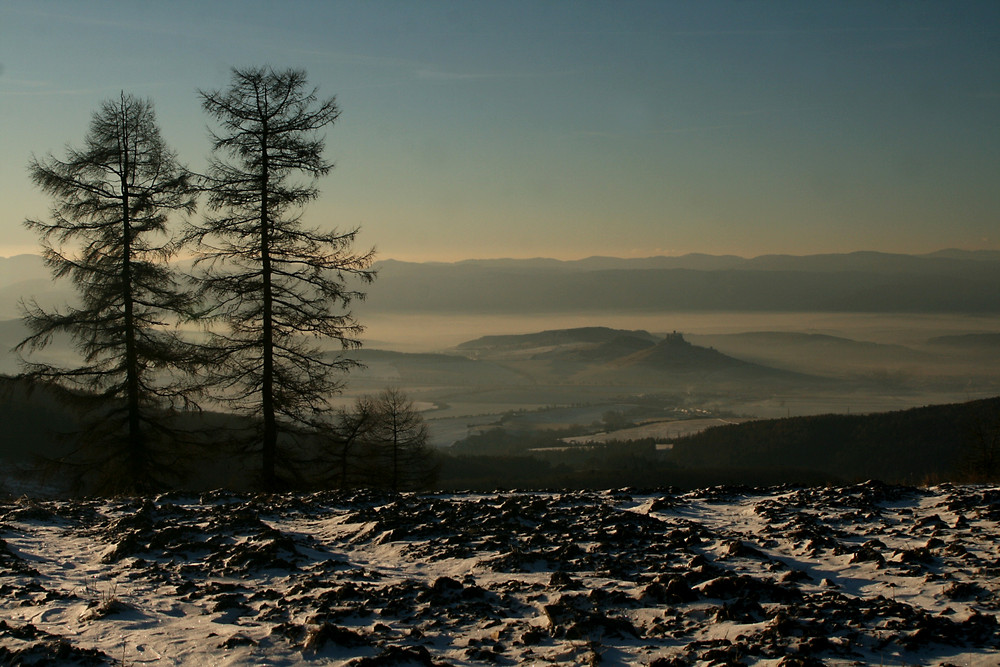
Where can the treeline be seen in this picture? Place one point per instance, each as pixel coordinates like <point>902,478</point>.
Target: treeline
<point>503,458</point>
<point>955,442</point>
<point>378,442</point>
<point>269,294</point>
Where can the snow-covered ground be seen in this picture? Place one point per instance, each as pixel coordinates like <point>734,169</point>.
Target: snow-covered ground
<point>866,574</point>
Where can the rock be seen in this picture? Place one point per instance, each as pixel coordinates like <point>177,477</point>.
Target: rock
<point>239,639</point>
<point>397,656</point>
<point>328,633</point>
<point>867,553</point>
<point>446,586</point>
<point>963,590</point>
<point>562,580</point>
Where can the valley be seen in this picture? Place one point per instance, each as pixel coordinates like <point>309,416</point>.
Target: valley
<point>609,349</point>
<point>745,365</point>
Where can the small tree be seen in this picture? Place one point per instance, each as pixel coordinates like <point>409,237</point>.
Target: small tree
<point>108,234</point>
<point>350,431</point>
<point>278,287</point>
<point>400,458</point>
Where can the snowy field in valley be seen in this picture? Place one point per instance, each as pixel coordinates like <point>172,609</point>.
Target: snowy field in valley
<point>663,430</point>
<point>865,574</point>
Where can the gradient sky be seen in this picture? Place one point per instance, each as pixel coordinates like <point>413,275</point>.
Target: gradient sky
<point>562,129</point>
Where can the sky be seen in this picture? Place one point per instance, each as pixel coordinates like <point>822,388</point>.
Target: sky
<point>561,129</point>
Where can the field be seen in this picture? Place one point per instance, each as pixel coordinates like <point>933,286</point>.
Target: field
<point>866,574</point>
<point>660,430</point>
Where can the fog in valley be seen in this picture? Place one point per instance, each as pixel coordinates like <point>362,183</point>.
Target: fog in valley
<point>605,373</point>
<point>846,362</point>
<point>779,363</point>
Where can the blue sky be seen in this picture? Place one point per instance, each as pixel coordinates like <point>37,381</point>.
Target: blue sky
<point>562,129</point>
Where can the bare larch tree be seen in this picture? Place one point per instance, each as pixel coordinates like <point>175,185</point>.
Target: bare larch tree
<point>399,456</point>
<point>109,234</point>
<point>279,289</point>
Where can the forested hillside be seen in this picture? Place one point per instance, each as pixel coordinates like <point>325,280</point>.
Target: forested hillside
<point>959,441</point>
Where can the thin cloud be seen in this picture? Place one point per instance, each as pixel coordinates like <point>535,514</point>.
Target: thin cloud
<point>768,111</point>
<point>51,93</point>
<point>696,128</point>
<point>425,71</point>
<point>774,32</point>
<point>23,83</point>
<point>71,18</point>
<point>438,75</point>
<point>170,29</point>
<point>361,58</point>
<point>653,132</point>
<point>47,89</point>
<point>445,76</point>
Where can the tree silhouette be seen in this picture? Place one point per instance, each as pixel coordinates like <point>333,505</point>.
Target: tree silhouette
<point>277,287</point>
<point>349,432</point>
<point>398,455</point>
<point>108,233</point>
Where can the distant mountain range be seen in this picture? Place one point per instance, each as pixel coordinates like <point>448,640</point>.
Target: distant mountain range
<point>948,281</point>
<point>854,261</point>
<point>945,282</point>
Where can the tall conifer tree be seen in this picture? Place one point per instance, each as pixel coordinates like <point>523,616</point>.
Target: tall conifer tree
<point>280,289</point>
<point>108,233</point>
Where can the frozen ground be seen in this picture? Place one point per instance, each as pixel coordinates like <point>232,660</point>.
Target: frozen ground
<point>866,574</point>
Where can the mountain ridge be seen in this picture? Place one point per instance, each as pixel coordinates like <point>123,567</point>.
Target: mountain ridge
<point>948,281</point>
<point>855,260</point>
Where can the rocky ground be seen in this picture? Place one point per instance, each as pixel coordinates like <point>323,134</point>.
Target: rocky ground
<point>866,574</point>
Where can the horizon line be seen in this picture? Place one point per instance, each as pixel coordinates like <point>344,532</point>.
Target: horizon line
<point>549,258</point>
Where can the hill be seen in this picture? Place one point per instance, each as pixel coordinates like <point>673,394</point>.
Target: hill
<point>675,360</point>
<point>31,422</point>
<point>823,354</point>
<point>602,355</point>
<point>553,337</point>
<point>38,426</point>
<point>978,341</point>
<point>909,446</point>
<point>21,267</point>
<point>622,344</point>
<point>674,353</point>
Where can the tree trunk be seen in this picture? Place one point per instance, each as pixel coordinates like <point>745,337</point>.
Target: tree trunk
<point>395,448</point>
<point>270,435</point>
<point>134,437</point>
